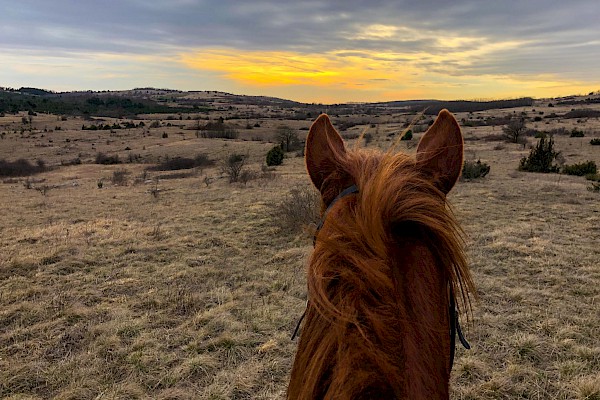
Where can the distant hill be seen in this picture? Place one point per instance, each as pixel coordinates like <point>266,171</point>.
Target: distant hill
<point>149,100</point>
<point>84,103</point>
<point>432,107</point>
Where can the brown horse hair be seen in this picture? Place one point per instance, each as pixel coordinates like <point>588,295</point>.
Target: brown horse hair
<point>352,345</point>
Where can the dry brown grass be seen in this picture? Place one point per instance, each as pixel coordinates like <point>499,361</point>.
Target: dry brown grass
<point>114,293</point>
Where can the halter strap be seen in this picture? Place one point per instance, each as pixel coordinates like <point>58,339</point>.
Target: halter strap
<point>349,190</point>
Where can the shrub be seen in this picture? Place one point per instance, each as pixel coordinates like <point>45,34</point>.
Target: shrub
<point>474,170</point>
<point>287,138</point>
<point>576,133</point>
<point>102,158</point>
<point>407,136</point>
<point>514,130</point>
<point>581,169</point>
<point>275,156</point>
<point>74,161</point>
<point>218,129</point>
<point>232,166</point>
<point>21,167</point>
<point>595,142</point>
<point>165,135</point>
<point>248,175</point>
<point>594,185</point>
<point>593,177</point>
<point>298,210</point>
<point>120,177</point>
<point>177,163</point>
<point>541,157</point>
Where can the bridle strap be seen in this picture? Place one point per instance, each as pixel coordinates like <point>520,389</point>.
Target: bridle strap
<point>455,329</point>
<point>349,190</point>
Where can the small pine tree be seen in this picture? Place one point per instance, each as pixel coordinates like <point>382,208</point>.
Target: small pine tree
<point>275,156</point>
<point>541,157</point>
<point>408,135</point>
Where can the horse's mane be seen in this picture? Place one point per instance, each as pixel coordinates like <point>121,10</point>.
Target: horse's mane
<point>356,269</point>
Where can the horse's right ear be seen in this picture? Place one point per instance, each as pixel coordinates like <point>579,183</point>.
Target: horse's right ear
<point>440,151</point>
<point>324,148</point>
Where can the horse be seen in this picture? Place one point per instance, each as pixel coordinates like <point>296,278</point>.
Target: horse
<point>388,263</point>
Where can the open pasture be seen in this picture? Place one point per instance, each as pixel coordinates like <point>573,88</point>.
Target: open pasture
<point>191,290</point>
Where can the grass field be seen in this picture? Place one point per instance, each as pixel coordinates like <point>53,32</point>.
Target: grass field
<point>192,291</point>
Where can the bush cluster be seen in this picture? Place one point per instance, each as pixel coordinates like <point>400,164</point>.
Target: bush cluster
<point>541,158</point>
<point>102,158</point>
<point>576,133</point>
<point>107,127</point>
<point>218,130</point>
<point>581,169</point>
<point>474,170</point>
<point>21,167</point>
<point>177,163</point>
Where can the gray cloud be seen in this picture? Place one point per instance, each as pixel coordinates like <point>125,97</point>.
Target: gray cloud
<point>558,34</point>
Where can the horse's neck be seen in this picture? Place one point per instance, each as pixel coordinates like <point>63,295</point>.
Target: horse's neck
<point>423,301</point>
<point>406,353</point>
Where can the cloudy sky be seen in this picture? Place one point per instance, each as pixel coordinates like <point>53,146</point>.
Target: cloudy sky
<point>312,51</point>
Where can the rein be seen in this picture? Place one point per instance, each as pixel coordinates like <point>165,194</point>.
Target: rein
<point>455,329</point>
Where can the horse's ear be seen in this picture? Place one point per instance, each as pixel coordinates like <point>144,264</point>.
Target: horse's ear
<point>324,147</point>
<point>440,151</point>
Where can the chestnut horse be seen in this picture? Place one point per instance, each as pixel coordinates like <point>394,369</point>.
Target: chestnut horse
<point>387,263</point>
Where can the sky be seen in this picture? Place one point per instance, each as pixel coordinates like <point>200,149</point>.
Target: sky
<point>309,51</point>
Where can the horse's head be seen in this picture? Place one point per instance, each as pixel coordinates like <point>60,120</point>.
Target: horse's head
<point>384,263</point>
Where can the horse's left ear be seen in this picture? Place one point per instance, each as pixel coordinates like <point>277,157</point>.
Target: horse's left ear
<point>440,151</point>
<point>324,147</point>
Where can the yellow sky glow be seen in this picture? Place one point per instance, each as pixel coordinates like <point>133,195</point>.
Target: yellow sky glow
<point>377,76</point>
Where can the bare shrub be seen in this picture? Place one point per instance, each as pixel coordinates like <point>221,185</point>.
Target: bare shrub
<point>298,210</point>
<point>267,173</point>
<point>287,137</point>
<point>514,131</point>
<point>44,189</point>
<point>248,175</point>
<point>119,177</point>
<point>232,166</point>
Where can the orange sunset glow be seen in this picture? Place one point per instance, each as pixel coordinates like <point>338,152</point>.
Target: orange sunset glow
<point>300,52</point>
